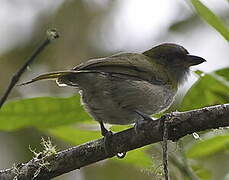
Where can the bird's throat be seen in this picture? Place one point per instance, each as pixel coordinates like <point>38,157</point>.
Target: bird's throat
<point>180,75</point>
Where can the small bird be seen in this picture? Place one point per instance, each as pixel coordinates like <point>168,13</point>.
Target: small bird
<point>128,87</point>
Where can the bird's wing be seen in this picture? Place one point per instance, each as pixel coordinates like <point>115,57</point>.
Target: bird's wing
<point>128,65</point>
<point>123,61</point>
<point>64,78</point>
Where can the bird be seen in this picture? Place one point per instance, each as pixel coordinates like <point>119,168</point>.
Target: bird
<point>128,88</point>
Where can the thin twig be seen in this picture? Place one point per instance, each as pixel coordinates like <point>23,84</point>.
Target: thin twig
<point>165,148</point>
<point>51,35</point>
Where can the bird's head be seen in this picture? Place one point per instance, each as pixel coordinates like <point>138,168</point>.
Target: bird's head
<point>174,57</point>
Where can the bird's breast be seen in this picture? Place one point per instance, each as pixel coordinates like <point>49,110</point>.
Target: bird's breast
<point>114,100</point>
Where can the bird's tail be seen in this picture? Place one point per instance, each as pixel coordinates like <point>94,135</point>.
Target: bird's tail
<point>50,76</point>
<point>62,78</point>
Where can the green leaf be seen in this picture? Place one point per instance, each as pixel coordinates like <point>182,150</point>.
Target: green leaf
<point>210,89</point>
<point>211,18</point>
<point>137,158</point>
<point>201,172</point>
<point>117,128</point>
<point>209,146</point>
<point>223,73</point>
<point>73,135</point>
<point>43,112</point>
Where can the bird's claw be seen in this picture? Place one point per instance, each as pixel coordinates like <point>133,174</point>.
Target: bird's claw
<point>107,140</point>
<point>140,124</point>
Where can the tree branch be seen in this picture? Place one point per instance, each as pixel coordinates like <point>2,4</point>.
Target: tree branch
<point>179,125</point>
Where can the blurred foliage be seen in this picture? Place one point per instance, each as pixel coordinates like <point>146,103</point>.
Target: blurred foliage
<point>210,89</point>
<point>138,158</point>
<point>74,136</point>
<point>73,20</point>
<point>202,173</point>
<point>209,146</point>
<point>43,112</point>
<point>211,18</point>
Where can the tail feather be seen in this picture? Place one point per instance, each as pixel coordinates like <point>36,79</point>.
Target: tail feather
<point>48,76</point>
<point>61,77</point>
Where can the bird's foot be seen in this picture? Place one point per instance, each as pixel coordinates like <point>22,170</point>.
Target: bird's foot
<point>140,124</point>
<point>107,139</point>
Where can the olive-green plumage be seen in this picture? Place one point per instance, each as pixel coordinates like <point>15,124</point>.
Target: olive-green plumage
<point>114,88</point>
